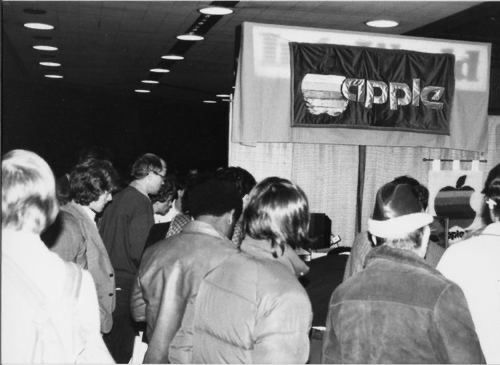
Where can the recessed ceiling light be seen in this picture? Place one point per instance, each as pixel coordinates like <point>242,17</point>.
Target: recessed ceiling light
<point>382,23</point>
<point>228,100</point>
<point>190,37</point>
<point>150,82</point>
<point>142,91</point>
<point>50,64</point>
<point>45,48</point>
<point>172,57</point>
<point>39,26</point>
<point>160,70</point>
<point>215,10</point>
<point>223,95</point>
<point>209,101</point>
<point>54,76</point>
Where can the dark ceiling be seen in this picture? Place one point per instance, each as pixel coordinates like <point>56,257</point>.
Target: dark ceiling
<point>107,47</point>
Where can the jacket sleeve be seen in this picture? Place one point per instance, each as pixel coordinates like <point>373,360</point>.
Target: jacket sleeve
<point>330,353</point>
<point>70,243</point>
<point>459,341</point>
<point>170,313</point>
<point>282,330</point>
<point>95,351</point>
<point>137,303</point>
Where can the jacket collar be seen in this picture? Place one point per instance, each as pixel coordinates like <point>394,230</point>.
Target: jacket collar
<point>400,256</point>
<point>492,229</point>
<point>204,228</point>
<point>262,249</point>
<point>80,210</point>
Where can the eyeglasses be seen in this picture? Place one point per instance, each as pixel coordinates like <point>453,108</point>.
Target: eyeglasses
<point>157,173</point>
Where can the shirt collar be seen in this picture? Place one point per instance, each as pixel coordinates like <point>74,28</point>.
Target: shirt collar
<point>204,228</point>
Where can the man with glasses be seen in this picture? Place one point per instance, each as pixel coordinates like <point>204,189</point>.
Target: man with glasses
<point>124,228</point>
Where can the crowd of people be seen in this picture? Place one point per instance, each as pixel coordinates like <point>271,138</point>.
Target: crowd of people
<point>206,266</point>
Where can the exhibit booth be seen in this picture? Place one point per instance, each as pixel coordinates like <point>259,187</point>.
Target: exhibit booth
<point>341,113</point>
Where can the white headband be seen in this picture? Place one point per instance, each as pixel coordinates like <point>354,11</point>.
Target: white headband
<point>400,226</point>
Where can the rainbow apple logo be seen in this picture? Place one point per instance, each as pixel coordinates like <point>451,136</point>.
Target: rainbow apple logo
<point>454,202</point>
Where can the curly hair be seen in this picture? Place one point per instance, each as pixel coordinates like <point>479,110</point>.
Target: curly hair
<point>167,191</point>
<point>278,211</point>
<point>214,197</point>
<point>241,178</point>
<point>90,179</point>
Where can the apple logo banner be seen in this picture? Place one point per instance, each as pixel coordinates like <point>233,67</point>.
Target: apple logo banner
<point>456,195</point>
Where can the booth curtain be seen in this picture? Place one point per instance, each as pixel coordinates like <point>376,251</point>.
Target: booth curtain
<point>328,173</point>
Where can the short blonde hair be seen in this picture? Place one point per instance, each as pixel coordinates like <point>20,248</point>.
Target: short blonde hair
<point>28,192</point>
<point>278,211</point>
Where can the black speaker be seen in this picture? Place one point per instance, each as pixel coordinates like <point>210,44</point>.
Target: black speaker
<point>320,230</point>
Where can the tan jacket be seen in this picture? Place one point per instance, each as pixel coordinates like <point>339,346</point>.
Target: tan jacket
<point>169,276</point>
<point>252,309</point>
<point>79,231</point>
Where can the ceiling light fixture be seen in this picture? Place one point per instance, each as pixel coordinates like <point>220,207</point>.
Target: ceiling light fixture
<point>216,10</point>
<point>142,91</point>
<point>50,64</point>
<point>190,37</point>
<point>382,23</point>
<point>172,57</point>
<point>160,70</point>
<point>150,82</point>
<point>223,95</point>
<point>53,76</point>
<point>209,101</point>
<point>39,26</point>
<point>45,48</point>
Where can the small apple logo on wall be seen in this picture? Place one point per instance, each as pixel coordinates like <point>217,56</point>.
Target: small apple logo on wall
<point>454,202</point>
<point>455,195</point>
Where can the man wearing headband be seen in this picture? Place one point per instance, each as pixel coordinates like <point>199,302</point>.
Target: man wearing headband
<point>399,309</point>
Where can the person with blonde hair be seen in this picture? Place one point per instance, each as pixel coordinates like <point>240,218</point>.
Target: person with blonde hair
<point>252,308</point>
<point>50,312</point>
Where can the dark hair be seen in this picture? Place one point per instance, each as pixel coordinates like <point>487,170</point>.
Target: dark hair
<point>420,190</point>
<point>90,179</point>
<point>167,191</point>
<point>63,193</point>
<point>145,164</point>
<point>492,190</point>
<point>278,211</point>
<point>411,241</point>
<point>241,178</point>
<point>393,200</point>
<point>214,197</point>
<point>189,181</point>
